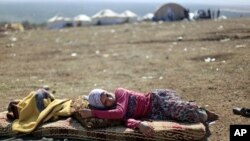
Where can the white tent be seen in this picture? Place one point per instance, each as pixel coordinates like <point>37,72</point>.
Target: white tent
<point>222,17</point>
<point>107,17</point>
<point>170,12</point>
<point>82,20</point>
<point>191,16</point>
<point>148,17</point>
<point>58,22</point>
<point>130,16</point>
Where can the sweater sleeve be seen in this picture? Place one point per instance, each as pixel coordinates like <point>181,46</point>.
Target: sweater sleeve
<point>120,110</point>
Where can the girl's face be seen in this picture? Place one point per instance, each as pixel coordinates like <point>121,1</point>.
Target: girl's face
<point>107,99</point>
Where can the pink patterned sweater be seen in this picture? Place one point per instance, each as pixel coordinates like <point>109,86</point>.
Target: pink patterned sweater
<point>130,106</point>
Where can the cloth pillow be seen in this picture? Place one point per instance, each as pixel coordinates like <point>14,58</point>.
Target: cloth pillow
<point>90,123</point>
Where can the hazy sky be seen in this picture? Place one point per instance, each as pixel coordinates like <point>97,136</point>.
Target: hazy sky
<point>221,2</point>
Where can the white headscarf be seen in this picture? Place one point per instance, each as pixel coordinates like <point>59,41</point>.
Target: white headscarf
<point>94,98</point>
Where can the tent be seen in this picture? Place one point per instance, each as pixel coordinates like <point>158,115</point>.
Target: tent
<point>108,17</point>
<point>148,17</point>
<point>170,12</point>
<point>82,20</point>
<point>130,16</point>
<point>58,22</point>
<point>191,16</point>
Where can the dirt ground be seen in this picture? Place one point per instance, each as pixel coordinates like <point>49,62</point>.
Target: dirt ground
<point>205,61</point>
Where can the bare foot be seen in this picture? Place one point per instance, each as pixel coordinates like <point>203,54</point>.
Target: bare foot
<point>211,116</point>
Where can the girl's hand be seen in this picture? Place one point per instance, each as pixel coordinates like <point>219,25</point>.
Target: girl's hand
<point>86,113</point>
<point>146,129</point>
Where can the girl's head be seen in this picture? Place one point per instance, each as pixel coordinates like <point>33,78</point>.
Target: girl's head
<point>100,98</point>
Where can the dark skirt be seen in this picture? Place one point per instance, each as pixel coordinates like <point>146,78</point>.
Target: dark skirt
<point>166,105</point>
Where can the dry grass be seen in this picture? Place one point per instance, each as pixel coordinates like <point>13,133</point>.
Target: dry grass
<point>140,57</point>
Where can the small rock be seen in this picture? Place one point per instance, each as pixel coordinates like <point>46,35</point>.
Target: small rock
<point>13,39</point>
<point>97,52</point>
<point>174,43</point>
<point>73,54</point>
<point>225,40</point>
<point>240,46</point>
<point>105,55</point>
<point>46,87</point>
<point>208,59</point>
<point>220,27</point>
<point>112,31</point>
<point>180,38</point>
<point>10,45</point>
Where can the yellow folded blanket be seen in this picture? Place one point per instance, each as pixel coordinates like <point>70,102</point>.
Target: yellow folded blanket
<point>30,116</point>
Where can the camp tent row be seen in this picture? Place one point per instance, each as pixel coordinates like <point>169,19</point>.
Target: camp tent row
<point>166,12</point>
<point>104,17</point>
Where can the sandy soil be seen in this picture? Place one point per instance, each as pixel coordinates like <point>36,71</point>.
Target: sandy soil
<point>140,57</point>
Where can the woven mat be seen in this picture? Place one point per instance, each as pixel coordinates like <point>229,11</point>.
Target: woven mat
<point>72,129</point>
